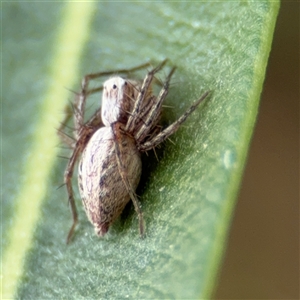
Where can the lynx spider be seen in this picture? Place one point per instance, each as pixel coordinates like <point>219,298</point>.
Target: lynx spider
<point>111,141</point>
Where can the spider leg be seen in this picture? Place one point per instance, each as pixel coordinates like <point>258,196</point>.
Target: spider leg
<point>141,96</point>
<point>163,135</point>
<point>85,133</point>
<point>123,173</point>
<point>85,92</point>
<point>67,116</point>
<point>80,102</point>
<point>122,71</point>
<point>155,110</point>
<point>68,140</point>
<point>68,181</point>
<point>60,131</point>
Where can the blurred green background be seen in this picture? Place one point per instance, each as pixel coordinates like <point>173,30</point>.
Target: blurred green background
<point>262,259</point>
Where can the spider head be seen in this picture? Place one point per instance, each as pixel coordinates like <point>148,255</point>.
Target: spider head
<point>117,100</point>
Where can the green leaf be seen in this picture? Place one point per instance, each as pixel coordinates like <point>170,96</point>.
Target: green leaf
<point>188,196</point>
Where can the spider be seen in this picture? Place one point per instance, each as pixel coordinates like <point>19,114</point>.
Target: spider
<point>110,144</point>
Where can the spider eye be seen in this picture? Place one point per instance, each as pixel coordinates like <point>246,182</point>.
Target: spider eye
<point>114,86</point>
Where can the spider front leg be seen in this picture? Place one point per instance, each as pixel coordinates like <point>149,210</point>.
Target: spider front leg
<point>163,135</point>
<point>131,123</point>
<point>155,111</point>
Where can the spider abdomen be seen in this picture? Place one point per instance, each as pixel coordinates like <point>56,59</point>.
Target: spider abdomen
<point>101,187</point>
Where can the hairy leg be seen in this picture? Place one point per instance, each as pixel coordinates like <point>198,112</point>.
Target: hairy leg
<point>155,111</point>
<point>68,181</point>
<point>130,126</point>
<point>163,135</point>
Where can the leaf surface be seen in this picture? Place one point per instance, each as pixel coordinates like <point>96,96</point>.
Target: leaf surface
<point>187,196</point>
